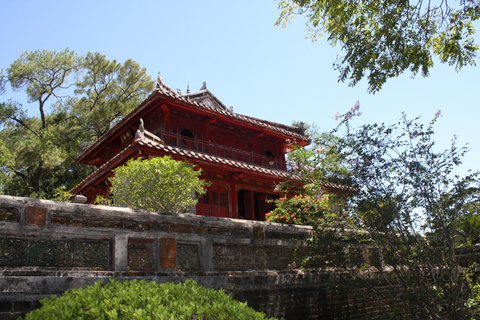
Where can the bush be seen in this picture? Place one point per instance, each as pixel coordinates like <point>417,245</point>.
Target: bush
<point>160,184</point>
<point>143,300</point>
<point>318,211</point>
<point>299,209</point>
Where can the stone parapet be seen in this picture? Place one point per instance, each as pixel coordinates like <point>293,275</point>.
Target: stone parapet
<point>48,247</point>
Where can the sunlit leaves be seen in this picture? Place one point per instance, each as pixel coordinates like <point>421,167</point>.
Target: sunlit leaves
<point>108,91</point>
<point>42,149</point>
<point>42,74</point>
<point>382,39</point>
<point>144,300</point>
<point>159,184</point>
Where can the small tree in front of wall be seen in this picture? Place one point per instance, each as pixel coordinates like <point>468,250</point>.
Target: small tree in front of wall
<point>160,184</point>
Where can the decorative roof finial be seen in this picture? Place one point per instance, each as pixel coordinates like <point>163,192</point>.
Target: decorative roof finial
<point>159,80</point>
<point>204,87</point>
<point>188,88</point>
<point>162,87</point>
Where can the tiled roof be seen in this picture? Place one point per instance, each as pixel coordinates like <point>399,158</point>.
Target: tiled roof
<point>330,185</point>
<point>276,127</point>
<point>165,91</point>
<point>104,168</point>
<point>212,158</point>
<point>190,154</point>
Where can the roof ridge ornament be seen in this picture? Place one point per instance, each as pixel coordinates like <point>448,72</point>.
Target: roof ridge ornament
<point>160,81</point>
<point>140,134</point>
<point>161,86</point>
<point>204,86</point>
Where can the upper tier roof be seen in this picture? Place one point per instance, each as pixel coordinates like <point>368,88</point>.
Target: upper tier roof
<point>206,102</point>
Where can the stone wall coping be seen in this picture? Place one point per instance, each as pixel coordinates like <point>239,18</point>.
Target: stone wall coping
<point>110,212</point>
<point>79,273</point>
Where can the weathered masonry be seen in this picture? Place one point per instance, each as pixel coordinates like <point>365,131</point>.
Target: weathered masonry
<point>49,247</point>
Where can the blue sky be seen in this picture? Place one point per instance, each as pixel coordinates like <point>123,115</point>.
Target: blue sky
<point>249,63</point>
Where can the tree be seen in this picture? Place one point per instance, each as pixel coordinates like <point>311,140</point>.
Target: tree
<point>159,184</point>
<point>410,201</point>
<point>108,91</point>
<point>43,74</point>
<point>315,194</point>
<point>39,152</point>
<point>35,148</point>
<point>413,210</point>
<point>313,168</point>
<point>382,39</point>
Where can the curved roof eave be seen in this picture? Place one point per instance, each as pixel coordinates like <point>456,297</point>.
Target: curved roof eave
<point>161,92</point>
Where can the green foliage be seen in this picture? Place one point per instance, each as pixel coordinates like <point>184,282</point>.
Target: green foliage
<point>382,39</point>
<point>42,74</point>
<point>412,205</point>
<point>468,225</point>
<point>108,91</point>
<point>39,152</point>
<point>312,169</point>
<point>159,184</point>
<point>411,201</point>
<point>144,300</point>
<point>61,194</point>
<point>319,211</point>
<point>473,301</point>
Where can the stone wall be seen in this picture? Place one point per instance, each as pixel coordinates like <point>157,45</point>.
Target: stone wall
<point>49,247</point>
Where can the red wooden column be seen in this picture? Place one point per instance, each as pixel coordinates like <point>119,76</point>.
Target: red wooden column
<point>263,206</point>
<point>207,134</point>
<point>249,204</point>
<point>233,198</point>
<point>168,117</point>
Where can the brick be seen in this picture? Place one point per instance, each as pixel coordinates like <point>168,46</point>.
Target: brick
<point>36,216</point>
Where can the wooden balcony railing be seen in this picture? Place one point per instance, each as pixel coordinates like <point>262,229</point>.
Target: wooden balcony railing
<point>223,151</point>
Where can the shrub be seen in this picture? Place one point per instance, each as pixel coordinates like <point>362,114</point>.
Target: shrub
<point>316,211</point>
<point>160,184</point>
<point>143,300</point>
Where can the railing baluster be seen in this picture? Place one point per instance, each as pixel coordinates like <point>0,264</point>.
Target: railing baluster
<point>219,150</point>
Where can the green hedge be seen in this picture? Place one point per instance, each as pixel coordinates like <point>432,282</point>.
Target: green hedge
<point>143,300</point>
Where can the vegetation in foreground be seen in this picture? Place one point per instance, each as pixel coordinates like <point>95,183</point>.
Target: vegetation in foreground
<point>413,207</point>
<point>144,300</point>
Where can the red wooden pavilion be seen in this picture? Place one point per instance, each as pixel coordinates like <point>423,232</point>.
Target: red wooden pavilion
<point>243,157</point>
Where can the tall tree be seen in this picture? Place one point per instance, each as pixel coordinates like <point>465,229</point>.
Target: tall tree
<point>39,151</point>
<point>108,91</point>
<point>35,145</point>
<point>382,39</point>
<point>415,208</point>
<point>43,75</point>
<point>410,200</point>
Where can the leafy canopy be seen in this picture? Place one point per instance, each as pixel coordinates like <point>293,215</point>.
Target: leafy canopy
<point>381,39</point>
<point>411,200</point>
<point>415,208</point>
<point>108,91</point>
<point>78,98</point>
<point>159,184</point>
<point>312,168</point>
